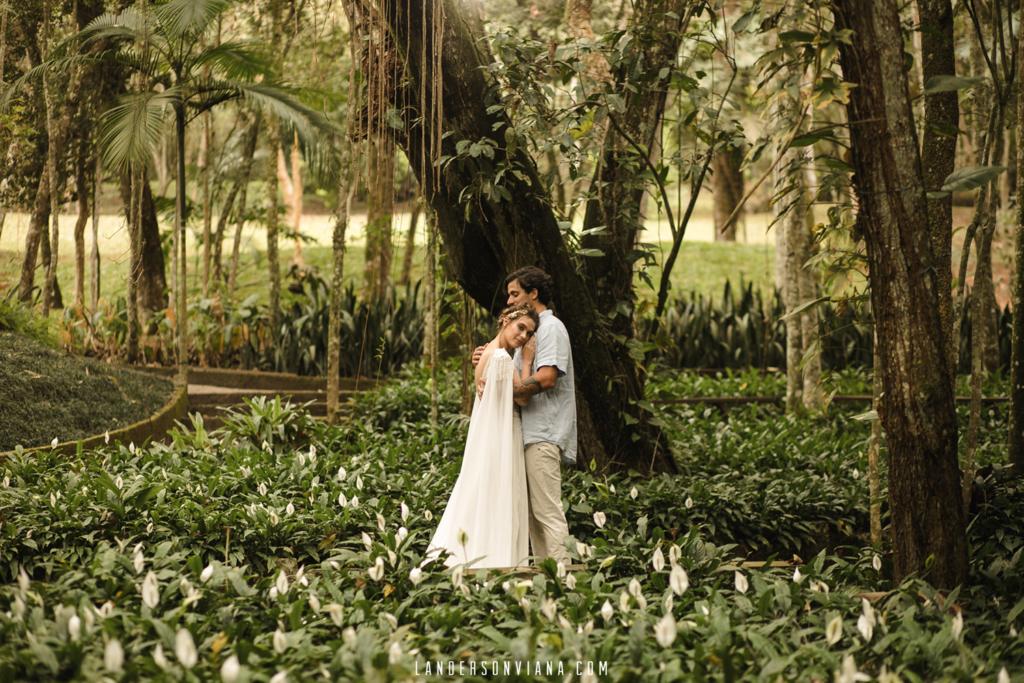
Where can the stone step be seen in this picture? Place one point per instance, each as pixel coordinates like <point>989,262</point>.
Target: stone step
<point>257,379</point>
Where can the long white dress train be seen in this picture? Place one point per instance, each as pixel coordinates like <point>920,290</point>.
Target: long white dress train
<point>489,502</point>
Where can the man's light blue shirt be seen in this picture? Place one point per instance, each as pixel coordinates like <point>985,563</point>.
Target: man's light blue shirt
<point>550,416</point>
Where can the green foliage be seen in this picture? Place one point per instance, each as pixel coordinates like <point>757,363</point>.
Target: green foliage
<point>22,319</point>
<point>264,553</point>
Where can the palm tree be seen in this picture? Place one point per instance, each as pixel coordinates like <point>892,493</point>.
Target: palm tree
<point>164,43</point>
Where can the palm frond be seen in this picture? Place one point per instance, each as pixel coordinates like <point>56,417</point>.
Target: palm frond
<point>133,126</point>
<point>54,66</point>
<point>189,18</point>
<point>242,61</point>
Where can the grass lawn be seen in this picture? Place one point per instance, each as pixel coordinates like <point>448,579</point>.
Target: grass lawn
<point>703,265</point>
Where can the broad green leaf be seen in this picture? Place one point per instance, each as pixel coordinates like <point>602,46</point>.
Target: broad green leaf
<point>970,177</point>
<point>937,84</point>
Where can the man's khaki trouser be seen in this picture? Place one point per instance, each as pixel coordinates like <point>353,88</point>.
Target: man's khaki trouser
<point>547,520</point>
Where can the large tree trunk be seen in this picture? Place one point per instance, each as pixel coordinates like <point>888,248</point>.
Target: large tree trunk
<point>410,242</point>
<point>152,279</point>
<point>206,152</point>
<point>1015,431</point>
<point>37,224</point>
<point>496,236</point>
<point>727,188</point>
<point>918,414</point>
<point>938,152</point>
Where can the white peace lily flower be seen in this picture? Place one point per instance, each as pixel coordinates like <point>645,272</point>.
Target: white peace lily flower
<point>402,533</point>
<point>392,557</point>
<point>150,591</point>
<point>230,669</point>
<point>641,601</point>
<point>302,459</point>
<point>355,503</point>
<point>1013,632</point>
<point>289,509</point>
<point>337,613</point>
<point>342,474</point>
<point>570,581</point>
<point>349,636</point>
<point>314,602</point>
<point>376,572</point>
<point>678,580</point>
<point>405,511</point>
<point>958,625</point>
<point>506,586</point>
<point>184,585</point>
<point>548,608</point>
<point>588,627</point>
<point>457,575</point>
<point>633,493</point>
<point>525,604</point>
<point>280,641</point>
<point>106,437</point>
<point>149,528</point>
<point>607,611</point>
<point>74,628</point>
<point>1004,676</point>
<point>131,448</point>
<point>820,586</point>
<point>119,482</point>
<point>564,623</point>
<point>674,553</point>
<point>19,606</point>
<point>159,658</point>
<point>281,583</point>
<point>53,500</point>
<point>560,569</point>
<point>658,560</point>
<point>581,549</point>
<point>206,573</point>
<point>139,562</point>
<point>869,611</point>
<point>113,655</point>
<point>624,601</point>
<point>665,631</point>
<point>279,677</point>
<point>301,572</point>
<point>359,483</point>
<point>89,620</point>
<point>334,565</point>
<point>834,631</point>
<point>312,453</point>
<point>391,619</point>
<point>689,502</point>
<point>865,627</point>
<point>634,587</point>
<point>54,442</point>
<point>395,653</point>
<point>797,576</point>
<point>265,446</point>
<point>367,541</point>
<point>462,537</point>
<point>274,519</point>
<point>704,610</point>
<point>381,522</point>
<point>342,500</point>
<point>599,519</point>
<point>741,582</point>
<point>262,488</point>
<point>849,672</point>
<point>876,563</point>
<point>185,648</point>
<point>23,581</point>
<point>272,593</point>
<point>416,575</point>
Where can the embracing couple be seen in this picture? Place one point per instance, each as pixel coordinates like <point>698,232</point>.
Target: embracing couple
<point>508,496</point>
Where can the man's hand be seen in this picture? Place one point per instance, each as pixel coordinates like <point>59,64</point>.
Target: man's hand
<point>477,352</point>
<point>529,353</point>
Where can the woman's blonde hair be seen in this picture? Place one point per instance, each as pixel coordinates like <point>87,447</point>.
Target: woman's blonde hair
<point>518,311</point>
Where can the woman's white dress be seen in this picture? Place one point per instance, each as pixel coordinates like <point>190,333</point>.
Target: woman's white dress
<point>489,501</point>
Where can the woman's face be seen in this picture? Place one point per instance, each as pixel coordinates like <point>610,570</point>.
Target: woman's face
<point>517,332</point>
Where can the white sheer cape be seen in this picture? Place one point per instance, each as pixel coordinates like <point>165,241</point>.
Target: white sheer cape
<point>489,502</point>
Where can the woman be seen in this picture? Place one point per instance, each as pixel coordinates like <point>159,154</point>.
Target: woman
<point>486,521</point>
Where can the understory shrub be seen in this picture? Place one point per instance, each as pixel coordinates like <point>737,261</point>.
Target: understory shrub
<point>286,548</point>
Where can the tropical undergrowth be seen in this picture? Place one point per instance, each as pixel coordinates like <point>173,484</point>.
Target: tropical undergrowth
<point>279,547</point>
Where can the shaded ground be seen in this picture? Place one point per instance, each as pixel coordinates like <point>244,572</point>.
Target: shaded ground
<point>47,394</point>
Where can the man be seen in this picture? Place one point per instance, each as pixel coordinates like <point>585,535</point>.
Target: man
<point>549,418</point>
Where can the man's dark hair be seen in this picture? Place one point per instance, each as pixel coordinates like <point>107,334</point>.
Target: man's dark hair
<point>531,278</point>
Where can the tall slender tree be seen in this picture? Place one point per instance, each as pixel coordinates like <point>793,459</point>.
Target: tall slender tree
<point>918,412</point>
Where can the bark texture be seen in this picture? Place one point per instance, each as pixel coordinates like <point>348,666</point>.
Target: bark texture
<point>495,236</point>
<point>152,277</point>
<point>918,412</point>
<point>1015,431</point>
<point>727,188</point>
<point>938,150</point>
